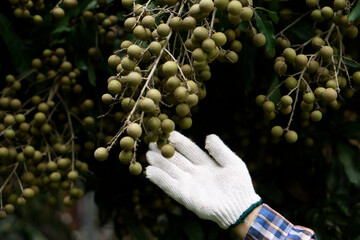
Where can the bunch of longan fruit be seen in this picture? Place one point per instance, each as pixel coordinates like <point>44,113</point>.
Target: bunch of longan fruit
<point>161,72</point>
<point>38,123</point>
<point>315,72</point>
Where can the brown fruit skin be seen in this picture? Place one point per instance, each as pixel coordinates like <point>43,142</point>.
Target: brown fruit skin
<point>167,151</point>
<point>291,136</point>
<point>259,40</point>
<point>135,168</point>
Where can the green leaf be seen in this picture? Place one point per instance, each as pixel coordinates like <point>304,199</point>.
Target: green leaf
<point>347,155</point>
<point>355,13</point>
<point>302,31</point>
<point>275,97</point>
<point>352,64</point>
<point>14,45</point>
<point>266,27</point>
<point>273,15</point>
<point>91,75</point>
<point>194,230</point>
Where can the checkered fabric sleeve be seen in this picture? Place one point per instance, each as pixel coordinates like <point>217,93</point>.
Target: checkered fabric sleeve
<point>271,225</point>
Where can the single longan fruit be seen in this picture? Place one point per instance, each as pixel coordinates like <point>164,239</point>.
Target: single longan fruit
<point>192,100</point>
<point>208,45</point>
<point>127,3</point>
<point>301,61</point>
<point>134,130</point>
<point>268,106</point>
<point>234,7</point>
<point>181,94</point>
<point>101,154</point>
<point>311,3</point>
<point>206,6</point>
<point>232,57</point>
<point>326,52</point>
<point>188,23</point>
<point>58,13</point>
<point>280,67</point>
<point>185,123</point>
<point>140,32</point>
<point>339,4</point>
<point>28,193</point>
<point>259,40</point>
<point>316,115</point>
<point>127,143</point>
<point>134,51</point>
<point>327,12</point>
<point>356,77</point>
<point>286,100</point>
<point>289,54</point>
<point>246,13</point>
<point>309,98</point>
<point>153,123</point>
<point>114,87</point>
<point>317,16</point>
<point>317,42</point>
<point>163,30</point>
<point>36,63</point>
<point>200,33</point>
<point>260,99</point>
<point>114,60</point>
<point>167,125</point>
<point>125,157</point>
<point>176,23</point>
<point>277,131</point>
<point>221,4</point>
<point>134,79</point>
<point>169,68</point>
<point>329,95</point>
<point>148,21</point>
<point>182,109</point>
<point>135,168</point>
<point>147,105</point>
<point>70,3</point>
<point>167,151</point>
<point>219,39</point>
<point>73,176</point>
<point>291,136</point>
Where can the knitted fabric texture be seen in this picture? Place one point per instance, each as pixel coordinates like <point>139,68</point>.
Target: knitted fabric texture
<point>215,187</point>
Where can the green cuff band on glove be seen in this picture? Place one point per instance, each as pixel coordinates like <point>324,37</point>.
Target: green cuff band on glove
<point>246,213</point>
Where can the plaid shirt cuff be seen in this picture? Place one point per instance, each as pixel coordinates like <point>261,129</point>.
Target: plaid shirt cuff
<point>271,225</point>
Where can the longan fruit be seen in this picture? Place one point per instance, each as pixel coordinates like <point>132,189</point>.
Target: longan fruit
<point>219,39</point>
<point>291,136</point>
<point>277,131</point>
<point>101,154</point>
<point>259,40</point>
<point>234,7</point>
<point>167,151</point>
<point>114,87</point>
<point>268,106</point>
<point>58,13</point>
<point>169,68</point>
<point>135,168</point>
<point>316,115</point>
<point>134,130</point>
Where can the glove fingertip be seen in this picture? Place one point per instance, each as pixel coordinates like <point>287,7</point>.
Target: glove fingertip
<point>153,147</point>
<point>212,140</point>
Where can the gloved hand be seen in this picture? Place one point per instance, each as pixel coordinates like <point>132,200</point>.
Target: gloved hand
<point>216,188</point>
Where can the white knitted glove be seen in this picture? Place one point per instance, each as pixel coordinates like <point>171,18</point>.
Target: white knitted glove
<point>216,188</point>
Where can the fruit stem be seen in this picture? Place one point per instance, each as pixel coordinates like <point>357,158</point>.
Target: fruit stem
<point>8,178</point>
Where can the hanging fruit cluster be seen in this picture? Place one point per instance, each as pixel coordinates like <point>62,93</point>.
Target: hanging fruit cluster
<point>314,73</point>
<point>161,72</point>
<point>38,123</point>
